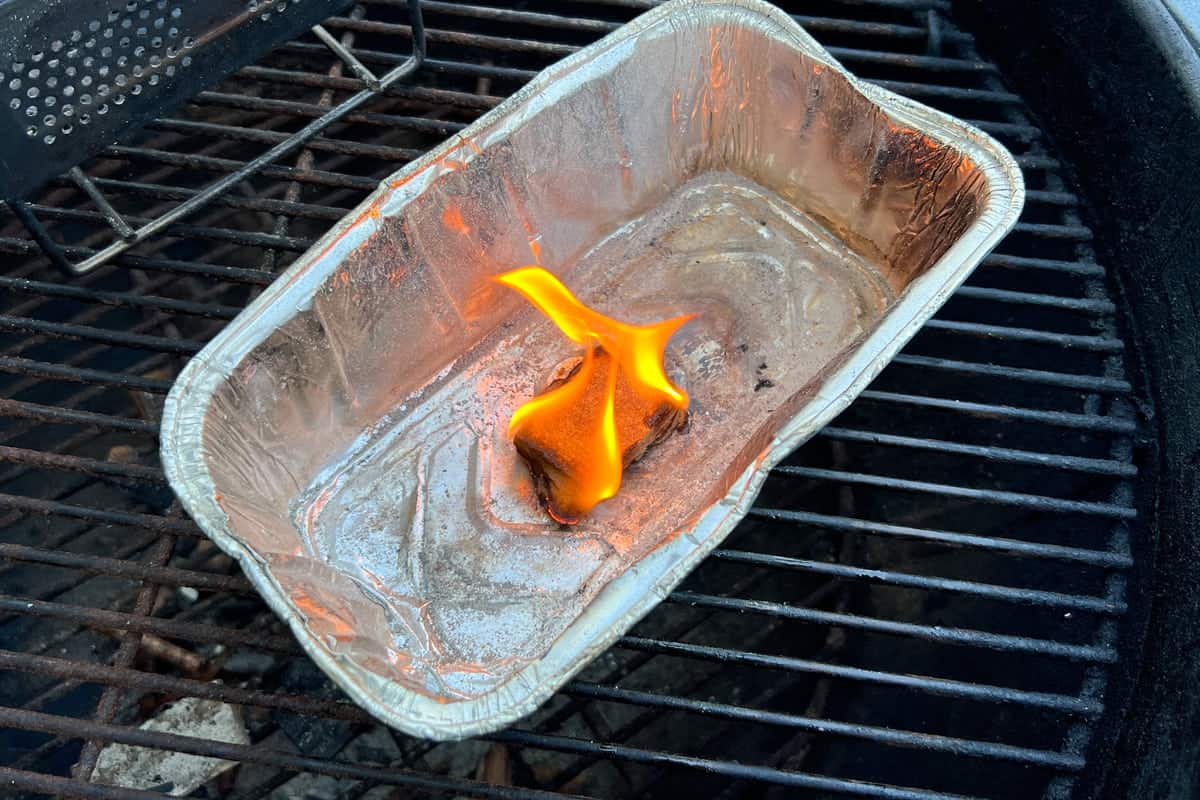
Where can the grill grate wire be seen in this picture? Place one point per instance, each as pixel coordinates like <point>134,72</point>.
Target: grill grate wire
<point>924,602</point>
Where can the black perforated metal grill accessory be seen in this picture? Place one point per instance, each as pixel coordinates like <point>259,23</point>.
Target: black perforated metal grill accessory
<point>78,74</point>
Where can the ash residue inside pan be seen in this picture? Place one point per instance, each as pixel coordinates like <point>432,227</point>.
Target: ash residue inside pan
<point>438,506</point>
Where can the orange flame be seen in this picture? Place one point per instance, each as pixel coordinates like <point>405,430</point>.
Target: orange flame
<point>635,361</point>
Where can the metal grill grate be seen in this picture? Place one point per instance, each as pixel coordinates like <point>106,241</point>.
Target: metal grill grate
<point>924,602</point>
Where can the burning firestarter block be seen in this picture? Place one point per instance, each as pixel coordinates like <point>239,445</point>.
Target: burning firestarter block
<point>560,453</point>
<point>580,432</point>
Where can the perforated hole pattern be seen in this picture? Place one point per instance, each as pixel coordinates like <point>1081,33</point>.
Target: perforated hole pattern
<point>104,61</point>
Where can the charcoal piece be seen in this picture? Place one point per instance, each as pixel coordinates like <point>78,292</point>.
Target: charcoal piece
<point>155,496</point>
<point>312,736</point>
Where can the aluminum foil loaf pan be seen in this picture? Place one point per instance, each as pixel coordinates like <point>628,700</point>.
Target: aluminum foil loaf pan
<point>345,437</point>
